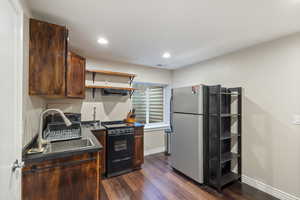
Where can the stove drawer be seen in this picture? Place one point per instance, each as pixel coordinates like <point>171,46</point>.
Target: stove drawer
<point>119,166</point>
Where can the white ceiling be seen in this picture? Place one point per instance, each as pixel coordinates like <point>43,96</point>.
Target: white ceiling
<point>139,31</point>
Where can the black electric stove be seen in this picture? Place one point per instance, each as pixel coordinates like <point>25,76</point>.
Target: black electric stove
<point>119,148</point>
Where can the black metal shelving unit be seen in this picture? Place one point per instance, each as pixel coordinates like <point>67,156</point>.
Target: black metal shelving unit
<point>223,132</point>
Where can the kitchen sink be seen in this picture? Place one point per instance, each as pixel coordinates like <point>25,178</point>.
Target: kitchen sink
<point>68,145</point>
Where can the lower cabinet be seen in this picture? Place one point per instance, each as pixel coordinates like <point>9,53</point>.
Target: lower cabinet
<point>101,136</point>
<point>73,178</point>
<point>138,150</point>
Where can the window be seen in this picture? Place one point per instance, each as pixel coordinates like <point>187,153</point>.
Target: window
<point>149,103</point>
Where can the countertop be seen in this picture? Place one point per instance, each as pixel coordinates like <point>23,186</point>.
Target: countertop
<point>136,124</point>
<point>86,134</point>
<point>98,127</point>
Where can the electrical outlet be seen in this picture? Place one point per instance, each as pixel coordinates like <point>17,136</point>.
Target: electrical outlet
<point>296,119</point>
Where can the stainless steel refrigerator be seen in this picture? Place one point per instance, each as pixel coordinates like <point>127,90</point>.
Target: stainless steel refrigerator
<point>187,138</point>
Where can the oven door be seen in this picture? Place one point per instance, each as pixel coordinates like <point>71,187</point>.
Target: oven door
<point>120,146</point>
<point>119,154</point>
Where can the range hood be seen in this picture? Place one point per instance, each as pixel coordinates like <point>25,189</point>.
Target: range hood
<point>109,91</point>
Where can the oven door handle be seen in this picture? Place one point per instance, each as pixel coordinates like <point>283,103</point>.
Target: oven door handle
<point>122,159</point>
<point>114,135</point>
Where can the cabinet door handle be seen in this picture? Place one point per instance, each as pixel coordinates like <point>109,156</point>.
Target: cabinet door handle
<point>71,163</point>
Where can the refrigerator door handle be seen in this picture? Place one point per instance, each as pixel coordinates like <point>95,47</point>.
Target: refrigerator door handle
<point>171,112</point>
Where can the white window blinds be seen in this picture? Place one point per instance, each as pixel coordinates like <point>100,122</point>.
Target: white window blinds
<point>148,102</point>
<point>139,103</point>
<point>156,104</point>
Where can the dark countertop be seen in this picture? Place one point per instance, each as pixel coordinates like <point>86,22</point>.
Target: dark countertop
<point>86,134</point>
<point>97,128</point>
<point>136,124</point>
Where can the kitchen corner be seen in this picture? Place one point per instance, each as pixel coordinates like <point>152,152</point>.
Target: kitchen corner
<point>68,149</point>
<point>69,170</point>
<point>71,167</point>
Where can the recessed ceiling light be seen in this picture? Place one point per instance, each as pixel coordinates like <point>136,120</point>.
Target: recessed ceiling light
<point>102,41</point>
<point>166,55</point>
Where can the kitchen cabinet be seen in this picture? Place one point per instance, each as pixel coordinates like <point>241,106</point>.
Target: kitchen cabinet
<point>138,150</point>
<point>47,59</point>
<point>74,177</point>
<point>101,136</point>
<point>75,76</point>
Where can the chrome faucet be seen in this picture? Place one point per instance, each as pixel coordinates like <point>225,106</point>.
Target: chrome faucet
<point>40,140</point>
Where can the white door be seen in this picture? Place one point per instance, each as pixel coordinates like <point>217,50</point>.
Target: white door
<point>11,20</point>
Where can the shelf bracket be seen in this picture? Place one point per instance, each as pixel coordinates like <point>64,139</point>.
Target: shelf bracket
<point>131,93</point>
<point>93,92</point>
<point>130,80</point>
<point>94,76</point>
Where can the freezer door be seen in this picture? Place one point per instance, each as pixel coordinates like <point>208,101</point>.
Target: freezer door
<point>188,99</point>
<point>187,145</point>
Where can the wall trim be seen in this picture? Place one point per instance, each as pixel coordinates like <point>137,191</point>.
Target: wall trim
<point>268,189</point>
<point>154,151</point>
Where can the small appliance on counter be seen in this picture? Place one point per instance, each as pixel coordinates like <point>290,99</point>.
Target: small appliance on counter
<point>56,130</point>
<point>120,141</point>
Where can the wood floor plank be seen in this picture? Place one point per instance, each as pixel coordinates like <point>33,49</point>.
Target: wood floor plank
<point>140,184</point>
<point>158,181</point>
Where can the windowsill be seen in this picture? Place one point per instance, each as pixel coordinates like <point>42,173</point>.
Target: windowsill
<point>156,127</point>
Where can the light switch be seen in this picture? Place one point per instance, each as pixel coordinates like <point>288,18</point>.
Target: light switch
<point>296,119</point>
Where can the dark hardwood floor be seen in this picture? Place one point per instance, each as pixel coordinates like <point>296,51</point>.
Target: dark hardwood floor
<point>157,181</point>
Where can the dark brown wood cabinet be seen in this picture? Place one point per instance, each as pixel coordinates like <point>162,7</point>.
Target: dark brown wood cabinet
<point>101,136</point>
<point>74,178</point>
<point>47,59</point>
<point>53,71</point>
<point>75,76</point>
<point>138,150</point>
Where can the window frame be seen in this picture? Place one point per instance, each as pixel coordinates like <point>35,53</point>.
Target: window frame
<point>158,125</point>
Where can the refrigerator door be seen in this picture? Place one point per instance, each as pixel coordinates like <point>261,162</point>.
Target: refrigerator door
<point>188,99</point>
<point>187,145</point>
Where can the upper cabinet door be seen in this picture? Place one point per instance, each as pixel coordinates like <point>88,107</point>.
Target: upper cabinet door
<point>47,60</point>
<point>75,76</point>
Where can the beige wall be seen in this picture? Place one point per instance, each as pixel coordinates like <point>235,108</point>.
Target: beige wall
<point>115,107</point>
<point>269,74</point>
<point>32,106</point>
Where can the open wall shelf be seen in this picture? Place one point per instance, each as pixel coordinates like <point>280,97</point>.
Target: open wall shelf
<point>109,87</point>
<point>222,150</point>
<point>122,74</point>
<point>111,73</point>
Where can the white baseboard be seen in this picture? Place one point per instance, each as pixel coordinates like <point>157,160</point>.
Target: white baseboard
<point>268,189</point>
<point>154,151</point>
